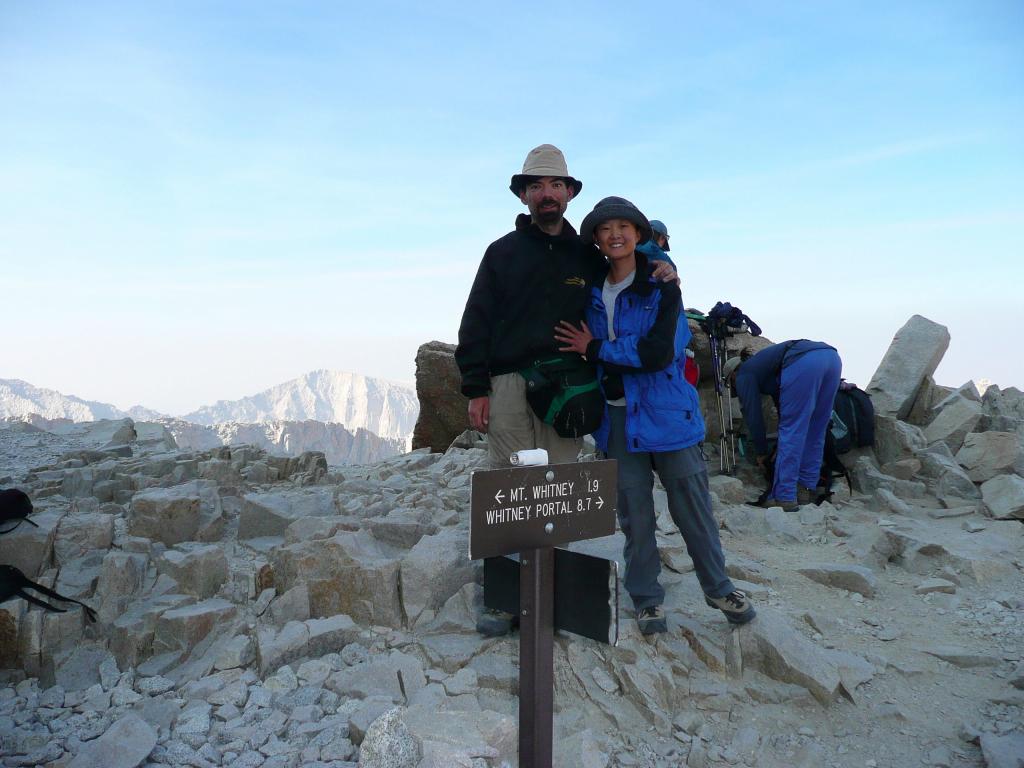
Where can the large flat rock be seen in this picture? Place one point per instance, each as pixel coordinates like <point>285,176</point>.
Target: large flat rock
<point>955,419</point>
<point>853,578</point>
<point>270,514</point>
<point>771,645</point>
<point>29,549</point>
<point>1004,496</point>
<point>915,352</point>
<point>349,573</point>
<point>125,744</point>
<point>185,512</point>
<point>987,454</point>
<point>1003,751</point>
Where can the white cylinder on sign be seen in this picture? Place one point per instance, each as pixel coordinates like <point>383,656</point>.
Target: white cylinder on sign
<point>532,458</point>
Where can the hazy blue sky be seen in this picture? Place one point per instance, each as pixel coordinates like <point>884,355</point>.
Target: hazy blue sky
<point>199,200</point>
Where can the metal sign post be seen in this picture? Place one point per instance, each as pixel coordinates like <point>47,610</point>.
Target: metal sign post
<point>536,657</point>
<point>529,510</point>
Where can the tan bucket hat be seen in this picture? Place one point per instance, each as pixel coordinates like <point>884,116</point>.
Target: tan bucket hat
<point>545,160</point>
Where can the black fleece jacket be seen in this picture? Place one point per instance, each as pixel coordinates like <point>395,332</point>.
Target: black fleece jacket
<point>527,282</point>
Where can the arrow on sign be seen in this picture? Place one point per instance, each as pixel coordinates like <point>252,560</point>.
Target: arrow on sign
<point>499,496</point>
<point>599,502</point>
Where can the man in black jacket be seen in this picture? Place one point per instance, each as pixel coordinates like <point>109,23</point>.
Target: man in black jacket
<point>528,281</point>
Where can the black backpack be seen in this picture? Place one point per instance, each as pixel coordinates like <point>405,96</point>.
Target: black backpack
<point>14,583</point>
<point>853,419</point>
<point>15,507</point>
<point>725,316</point>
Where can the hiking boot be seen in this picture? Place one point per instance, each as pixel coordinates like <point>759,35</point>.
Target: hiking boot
<point>787,506</point>
<point>736,606</point>
<point>492,623</point>
<point>651,620</point>
<point>808,495</point>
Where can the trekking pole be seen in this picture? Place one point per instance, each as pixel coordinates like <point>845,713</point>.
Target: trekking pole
<point>716,371</point>
<point>727,393</point>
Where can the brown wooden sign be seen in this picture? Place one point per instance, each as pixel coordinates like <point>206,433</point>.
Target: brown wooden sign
<point>521,508</point>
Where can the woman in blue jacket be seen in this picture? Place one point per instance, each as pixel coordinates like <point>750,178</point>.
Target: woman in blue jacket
<point>636,334</point>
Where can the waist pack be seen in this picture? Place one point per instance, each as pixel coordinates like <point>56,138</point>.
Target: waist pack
<point>853,419</point>
<point>563,391</point>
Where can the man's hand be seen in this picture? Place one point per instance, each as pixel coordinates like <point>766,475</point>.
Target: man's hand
<point>761,459</point>
<point>480,413</point>
<point>664,271</point>
<point>575,339</point>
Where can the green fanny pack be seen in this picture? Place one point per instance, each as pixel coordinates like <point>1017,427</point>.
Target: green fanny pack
<point>563,391</point>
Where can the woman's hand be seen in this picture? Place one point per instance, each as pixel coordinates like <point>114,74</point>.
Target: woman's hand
<point>575,339</point>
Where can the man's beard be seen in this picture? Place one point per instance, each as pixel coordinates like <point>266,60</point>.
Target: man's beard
<point>548,211</point>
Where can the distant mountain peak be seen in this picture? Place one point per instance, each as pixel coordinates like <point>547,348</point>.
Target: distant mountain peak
<point>386,408</point>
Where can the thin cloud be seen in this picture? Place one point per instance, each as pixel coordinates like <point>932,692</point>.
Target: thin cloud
<point>906,148</point>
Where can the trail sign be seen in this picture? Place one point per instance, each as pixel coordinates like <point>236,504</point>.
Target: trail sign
<point>513,510</point>
<point>529,510</point>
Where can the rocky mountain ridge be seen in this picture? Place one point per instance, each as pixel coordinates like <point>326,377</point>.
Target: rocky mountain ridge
<point>21,400</point>
<point>339,444</point>
<point>386,408</point>
<point>351,418</point>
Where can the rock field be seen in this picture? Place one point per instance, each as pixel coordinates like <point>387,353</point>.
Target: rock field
<point>265,611</point>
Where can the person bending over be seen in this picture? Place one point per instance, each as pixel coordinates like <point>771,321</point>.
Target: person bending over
<point>802,377</point>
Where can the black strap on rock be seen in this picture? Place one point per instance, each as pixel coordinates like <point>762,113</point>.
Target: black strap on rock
<point>13,583</point>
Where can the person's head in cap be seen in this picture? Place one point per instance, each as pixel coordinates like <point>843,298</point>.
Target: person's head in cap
<point>545,187</point>
<point>660,234</point>
<point>617,227</point>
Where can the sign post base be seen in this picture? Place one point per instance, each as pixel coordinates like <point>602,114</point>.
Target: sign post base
<point>536,659</point>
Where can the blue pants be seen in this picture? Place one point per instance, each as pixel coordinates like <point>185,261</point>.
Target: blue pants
<point>807,390</point>
<point>685,477</point>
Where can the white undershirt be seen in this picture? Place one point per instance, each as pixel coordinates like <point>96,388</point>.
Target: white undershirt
<point>609,294</point>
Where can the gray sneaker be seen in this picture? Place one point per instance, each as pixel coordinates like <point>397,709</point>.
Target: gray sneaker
<point>735,605</point>
<point>652,620</point>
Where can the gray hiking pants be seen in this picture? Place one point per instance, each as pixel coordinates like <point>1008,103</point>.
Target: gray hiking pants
<point>684,475</point>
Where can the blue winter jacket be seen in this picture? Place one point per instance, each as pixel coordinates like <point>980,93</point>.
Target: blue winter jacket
<point>760,375</point>
<point>647,355</point>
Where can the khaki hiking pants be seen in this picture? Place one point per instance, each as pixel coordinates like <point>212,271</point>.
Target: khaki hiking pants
<point>515,427</point>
